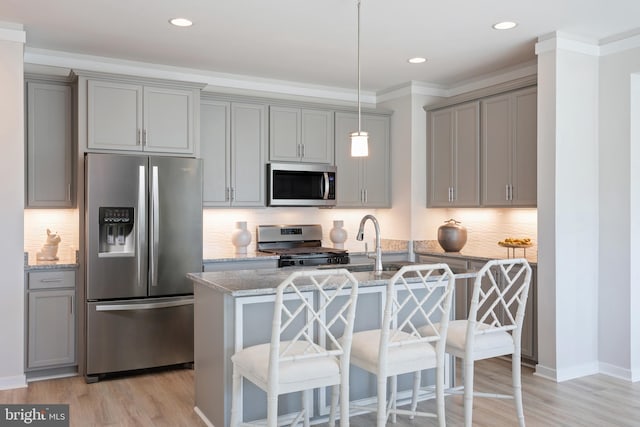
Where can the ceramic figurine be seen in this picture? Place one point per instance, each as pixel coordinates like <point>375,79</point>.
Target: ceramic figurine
<point>49,250</point>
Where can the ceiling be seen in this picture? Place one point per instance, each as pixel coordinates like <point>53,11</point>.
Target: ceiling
<point>313,42</point>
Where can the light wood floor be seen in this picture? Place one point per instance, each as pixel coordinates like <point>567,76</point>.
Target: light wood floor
<point>166,399</point>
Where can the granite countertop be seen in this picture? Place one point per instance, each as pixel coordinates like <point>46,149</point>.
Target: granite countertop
<point>59,264</point>
<point>265,281</point>
<point>431,247</point>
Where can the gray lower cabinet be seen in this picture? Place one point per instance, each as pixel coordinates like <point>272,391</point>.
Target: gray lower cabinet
<point>509,149</point>
<point>453,156</point>
<point>241,264</point>
<point>51,319</point>
<point>232,148</point>
<point>300,135</point>
<point>363,181</point>
<point>49,142</point>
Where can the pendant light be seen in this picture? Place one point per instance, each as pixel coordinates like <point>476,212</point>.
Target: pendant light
<point>360,139</point>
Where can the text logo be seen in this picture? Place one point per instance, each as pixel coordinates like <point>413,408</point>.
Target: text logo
<point>34,415</point>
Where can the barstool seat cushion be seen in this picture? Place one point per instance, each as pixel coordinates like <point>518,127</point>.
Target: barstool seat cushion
<point>254,363</point>
<point>408,357</point>
<point>487,344</point>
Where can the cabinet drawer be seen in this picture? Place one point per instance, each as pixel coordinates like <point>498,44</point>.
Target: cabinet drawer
<point>52,279</point>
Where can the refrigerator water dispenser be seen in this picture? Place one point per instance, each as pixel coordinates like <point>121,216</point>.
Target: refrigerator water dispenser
<point>116,232</point>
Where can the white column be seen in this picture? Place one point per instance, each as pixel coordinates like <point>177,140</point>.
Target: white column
<point>12,334</point>
<point>567,208</point>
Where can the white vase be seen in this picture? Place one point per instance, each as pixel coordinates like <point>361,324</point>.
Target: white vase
<point>241,237</point>
<point>338,235</point>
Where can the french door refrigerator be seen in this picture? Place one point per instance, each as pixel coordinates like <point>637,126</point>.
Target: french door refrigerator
<point>143,233</point>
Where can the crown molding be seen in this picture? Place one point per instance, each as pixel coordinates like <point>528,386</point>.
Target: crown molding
<point>214,82</point>
<point>17,35</point>
<point>620,45</point>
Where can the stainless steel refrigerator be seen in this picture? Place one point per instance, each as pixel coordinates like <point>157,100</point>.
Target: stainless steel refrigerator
<point>143,233</point>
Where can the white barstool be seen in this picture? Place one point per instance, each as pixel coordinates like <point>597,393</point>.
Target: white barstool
<point>493,328</point>
<point>293,360</point>
<point>416,295</point>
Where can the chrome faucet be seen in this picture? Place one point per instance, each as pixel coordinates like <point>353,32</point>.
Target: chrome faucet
<point>378,257</point>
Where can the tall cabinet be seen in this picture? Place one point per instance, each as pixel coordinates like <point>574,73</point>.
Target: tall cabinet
<point>454,156</point>
<point>232,148</point>
<point>49,140</point>
<point>509,149</point>
<point>363,181</point>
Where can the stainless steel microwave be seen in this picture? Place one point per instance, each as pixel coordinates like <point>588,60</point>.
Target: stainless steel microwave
<point>300,184</point>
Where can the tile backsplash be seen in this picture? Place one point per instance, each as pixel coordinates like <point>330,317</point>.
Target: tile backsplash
<point>485,227</point>
<point>64,222</point>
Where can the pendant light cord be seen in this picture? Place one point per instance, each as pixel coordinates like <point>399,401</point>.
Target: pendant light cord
<point>359,126</point>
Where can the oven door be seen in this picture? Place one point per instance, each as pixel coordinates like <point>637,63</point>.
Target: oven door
<point>301,185</point>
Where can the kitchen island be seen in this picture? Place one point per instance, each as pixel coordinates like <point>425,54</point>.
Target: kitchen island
<point>234,309</point>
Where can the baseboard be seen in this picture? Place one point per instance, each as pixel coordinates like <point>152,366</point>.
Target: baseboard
<point>203,416</point>
<point>17,381</point>
<point>618,372</point>
<point>546,372</point>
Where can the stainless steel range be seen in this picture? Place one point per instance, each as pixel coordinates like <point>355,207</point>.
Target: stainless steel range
<point>298,245</point>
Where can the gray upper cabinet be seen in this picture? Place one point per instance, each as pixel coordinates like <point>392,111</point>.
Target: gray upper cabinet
<point>453,156</point>
<point>232,147</point>
<point>363,181</point>
<point>509,144</point>
<point>49,145</point>
<point>131,114</point>
<point>300,135</point>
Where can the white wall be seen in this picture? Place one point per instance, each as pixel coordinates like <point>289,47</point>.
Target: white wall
<point>568,223</point>
<point>634,228</point>
<point>12,196</point>
<point>397,220</point>
<point>619,214</point>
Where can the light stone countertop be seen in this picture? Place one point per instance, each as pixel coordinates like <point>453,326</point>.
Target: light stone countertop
<point>60,264</point>
<point>241,283</point>
<point>432,247</point>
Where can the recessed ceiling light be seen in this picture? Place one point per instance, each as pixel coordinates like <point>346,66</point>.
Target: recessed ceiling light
<point>417,60</point>
<point>180,22</point>
<point>505,25</point>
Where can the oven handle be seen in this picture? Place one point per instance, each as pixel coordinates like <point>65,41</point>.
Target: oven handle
<point>325,193</point>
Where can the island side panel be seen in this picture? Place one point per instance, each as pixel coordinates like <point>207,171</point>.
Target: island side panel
<point>213,348</point>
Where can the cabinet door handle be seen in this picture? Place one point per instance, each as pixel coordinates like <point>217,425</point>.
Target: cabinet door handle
<point>69,192</point>
<point>302,150</point>
<point>232,194</point>
<point>510,192</point>
<point>506,192</point>
<point>138,139</point>
<point>71,304</point>
<point>144,137</point>
<point>50,280</point>
<point>366,196</point>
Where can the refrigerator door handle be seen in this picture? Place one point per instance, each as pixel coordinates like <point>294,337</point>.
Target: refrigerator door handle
<point>148,306</point>
<point>141,222</point>
<point>155,231</point>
